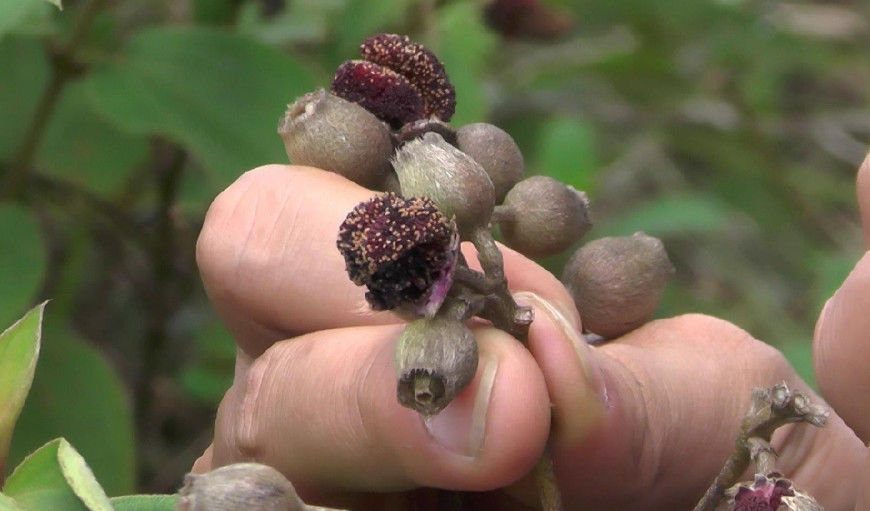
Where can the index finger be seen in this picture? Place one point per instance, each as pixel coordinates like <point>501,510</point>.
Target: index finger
<point>269,263</point>
<point>841,347</point>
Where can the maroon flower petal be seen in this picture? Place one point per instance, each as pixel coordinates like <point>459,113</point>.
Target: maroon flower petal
<point>403,250</point>
<point>765,494</point>
<point>379,90</point>
<point>419,65</point>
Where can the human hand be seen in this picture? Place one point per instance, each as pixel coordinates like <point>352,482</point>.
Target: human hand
<point>841,349</point>
<point>643,422</point>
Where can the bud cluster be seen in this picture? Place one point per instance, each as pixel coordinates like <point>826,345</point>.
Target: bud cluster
<point>384,124</point>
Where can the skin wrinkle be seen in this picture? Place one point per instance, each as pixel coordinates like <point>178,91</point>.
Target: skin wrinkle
<point>634,402</point>
<point>368,426</point>
<point>246,430</point>
<point>279,221</point>
<point>249,231</point>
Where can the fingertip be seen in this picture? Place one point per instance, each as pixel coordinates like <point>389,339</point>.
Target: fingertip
<point>570,369</point>
<point>515,430</point>
<point>840,349</point>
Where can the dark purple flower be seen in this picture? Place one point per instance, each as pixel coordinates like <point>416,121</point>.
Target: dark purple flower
<point>765,494</point>
<point>403,250</point>
<point>379,90</point>
<point>526,19</point>
<point>419,65</point>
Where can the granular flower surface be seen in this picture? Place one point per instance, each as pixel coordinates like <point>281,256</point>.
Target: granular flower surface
<point>403,250</point>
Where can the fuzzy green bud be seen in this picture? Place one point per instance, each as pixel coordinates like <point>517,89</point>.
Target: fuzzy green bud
<point>617,282</point>
<point>238,487</point>
<point>324,131</point>
<point>435,359</point>
<point>430,167</point>
<point>545,216</point>
<point>496,152</point>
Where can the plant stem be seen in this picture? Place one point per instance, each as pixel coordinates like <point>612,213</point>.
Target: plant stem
<point>506,314</point>
<point>162,299</point>
<point>503,213</point>
<point>770,408</point>
<point>545,479</point>
<point>68,194</point>
<point>63,68</point>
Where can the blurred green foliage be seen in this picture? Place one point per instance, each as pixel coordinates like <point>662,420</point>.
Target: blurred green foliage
<point>730,129</point>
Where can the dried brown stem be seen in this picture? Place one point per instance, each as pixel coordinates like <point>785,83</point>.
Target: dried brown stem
<point>501,309</point>
<point>770,409</point>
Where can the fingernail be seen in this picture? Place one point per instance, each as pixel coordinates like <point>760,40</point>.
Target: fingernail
<point>461,427</point>
<point>577,391</point>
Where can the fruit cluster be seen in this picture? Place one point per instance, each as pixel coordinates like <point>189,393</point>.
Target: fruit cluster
<point>384,125</point>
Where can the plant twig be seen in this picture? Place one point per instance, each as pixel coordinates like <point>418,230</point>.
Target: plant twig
<point>545,479</point>
<point>506,314</point>
<point>63,68</point>
<point>770,409</point>
<point>68,194</point>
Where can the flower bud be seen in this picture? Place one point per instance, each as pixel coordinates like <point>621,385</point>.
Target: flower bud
<point>547,216</point>
<point>322,130</point>
<point>496,152</point>
<point>435,359</point>
<point>239,487</point>
<point>430,167</point>
<point>617,282</point>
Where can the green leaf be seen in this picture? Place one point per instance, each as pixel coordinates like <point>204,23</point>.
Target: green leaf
<point>56,477</point>
<point>300,22</point>
<point>145,503</point>
<point>8,504</point>
<point>25,74</point>
<point>567,152</point>
<point>22,261</point>
<point>13,12</point>
<point>218,94</point>
<point>19,350</point>
<point>363,18</point>
<point>671,216</point>
<point>82,147</point>
<point>465,46</point>
<point>210,374</point>
<point>77,394</point>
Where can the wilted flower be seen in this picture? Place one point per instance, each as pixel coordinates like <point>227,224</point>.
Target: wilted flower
<point>765,493</point>
<point>419,65</point>
<point>379,90</point>
<point>403,250</point>
<point>399,81</point>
